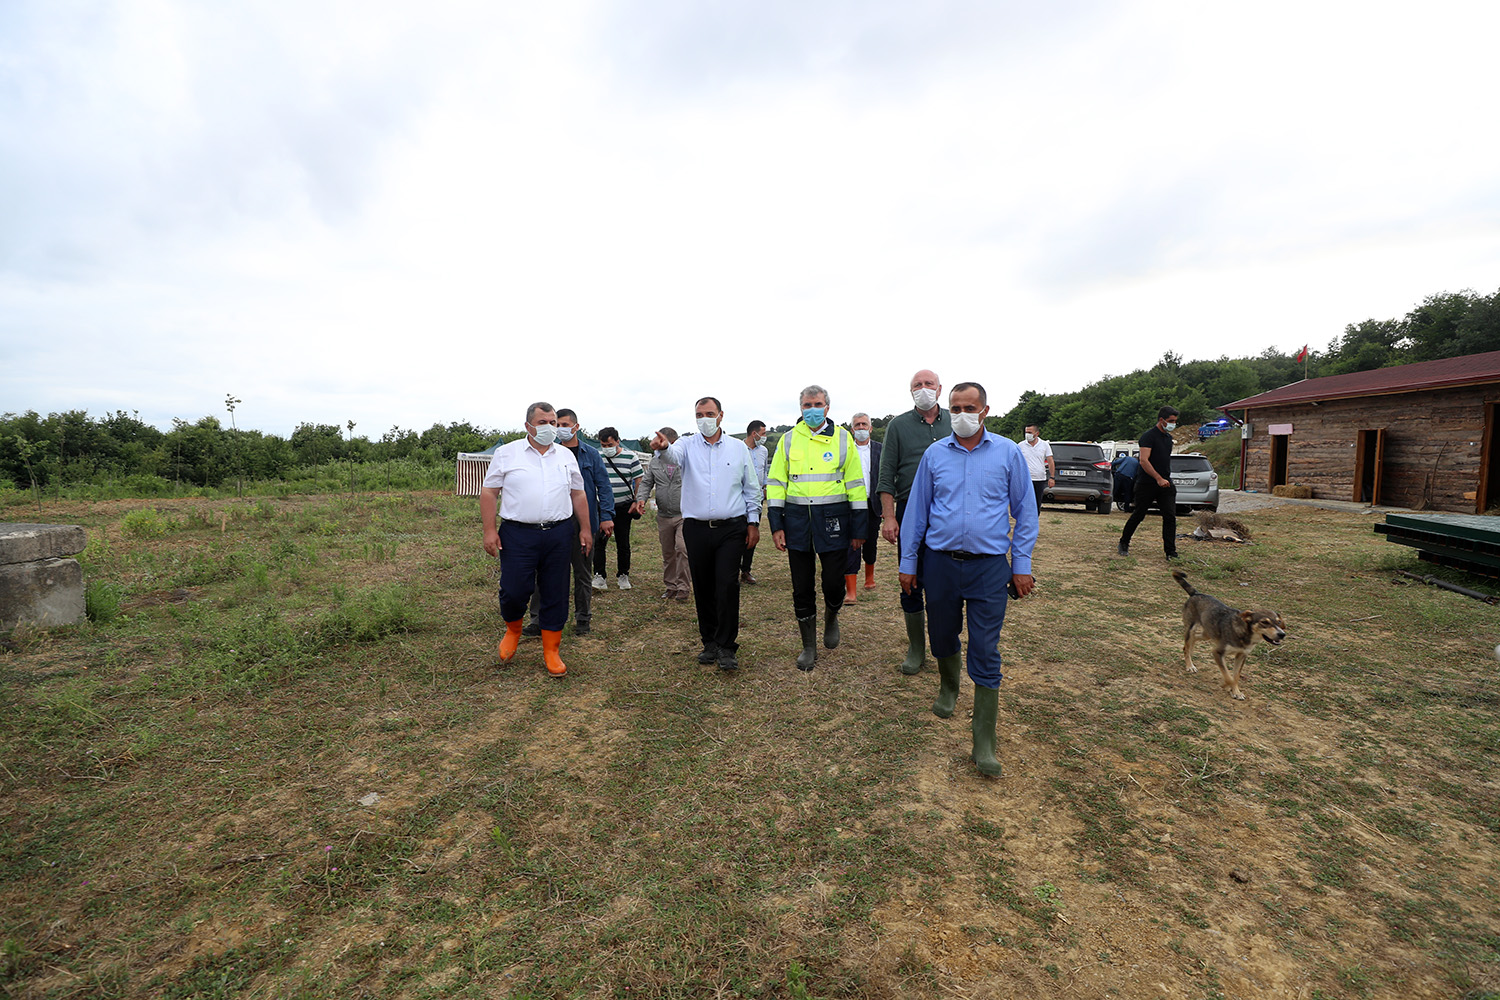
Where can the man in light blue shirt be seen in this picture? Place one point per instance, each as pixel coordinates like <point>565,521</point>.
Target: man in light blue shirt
<point>968,488</point>
<point>720,519</point>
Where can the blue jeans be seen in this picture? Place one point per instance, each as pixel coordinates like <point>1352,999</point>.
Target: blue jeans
<point>978,587</point>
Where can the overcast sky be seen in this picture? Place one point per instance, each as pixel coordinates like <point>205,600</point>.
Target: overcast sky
<point>401,213</point>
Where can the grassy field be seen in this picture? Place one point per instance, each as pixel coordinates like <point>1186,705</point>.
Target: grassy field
<point>281,759</point>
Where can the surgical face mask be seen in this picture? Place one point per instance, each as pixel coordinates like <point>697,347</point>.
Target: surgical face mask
<point>566,434</point>
<point>708,426</point>
<point>611,451</point>
<point>1171,425</point>
<point>545,434</point>
<point>925,399</point>
<point>861,435</point>
<point>1030,438</point>
<point>967,424</point>
<point>814,416</point>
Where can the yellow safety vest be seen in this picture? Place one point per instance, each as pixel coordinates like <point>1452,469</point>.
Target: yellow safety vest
<point>810,469</point>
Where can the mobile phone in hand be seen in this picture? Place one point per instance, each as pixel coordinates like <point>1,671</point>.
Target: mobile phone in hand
<point>1010,586</point>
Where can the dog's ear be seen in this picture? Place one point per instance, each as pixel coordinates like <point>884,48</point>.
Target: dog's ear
<point>1246,615</point>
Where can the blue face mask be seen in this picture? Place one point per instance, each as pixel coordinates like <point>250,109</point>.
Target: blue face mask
<point>814,416</point>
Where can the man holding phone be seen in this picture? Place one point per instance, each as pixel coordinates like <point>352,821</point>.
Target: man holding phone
<point>967,489</point>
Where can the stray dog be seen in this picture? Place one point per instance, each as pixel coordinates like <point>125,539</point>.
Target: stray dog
<point>1232,632</point>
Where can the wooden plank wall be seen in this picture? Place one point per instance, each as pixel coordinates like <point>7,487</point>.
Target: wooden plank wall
<point>1433,446</point>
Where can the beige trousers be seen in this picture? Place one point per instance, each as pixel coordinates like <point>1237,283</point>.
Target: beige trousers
<point>673,555</point>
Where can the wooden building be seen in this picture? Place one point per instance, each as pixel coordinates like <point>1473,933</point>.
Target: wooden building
<point>1421,436</point>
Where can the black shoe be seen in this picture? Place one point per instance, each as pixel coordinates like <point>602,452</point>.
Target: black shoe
<point>710,653</point>
<point>746,578</point>
<point>1122,549</point>
<point>579,628</point>
<point>533,629</point>
<point>727,662</point>
<point>1173,557</point>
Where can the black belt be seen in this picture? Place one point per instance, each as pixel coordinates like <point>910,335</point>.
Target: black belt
<point>963,556</point>
<point>539,525</point>
<point>742,519</point>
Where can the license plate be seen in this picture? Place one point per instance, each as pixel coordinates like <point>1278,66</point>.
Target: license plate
<point>1071,472</point>
<point>1184,482</point>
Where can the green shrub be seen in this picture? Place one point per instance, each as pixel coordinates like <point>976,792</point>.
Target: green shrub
<point>101,601</point>
<point>145,523</point>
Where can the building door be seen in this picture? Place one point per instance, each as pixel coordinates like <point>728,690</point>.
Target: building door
<point>1489,461</point>
<point>1369,465</point>
<point>1278,460</point>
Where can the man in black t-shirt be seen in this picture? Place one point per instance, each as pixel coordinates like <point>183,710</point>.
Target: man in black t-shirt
<point>1153,483</point>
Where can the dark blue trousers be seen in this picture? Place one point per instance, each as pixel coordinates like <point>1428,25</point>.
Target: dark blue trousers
<point>978,587</point>
<point>535,559</point>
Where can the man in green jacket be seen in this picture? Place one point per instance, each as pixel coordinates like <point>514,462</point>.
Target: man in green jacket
<point>907,436</point>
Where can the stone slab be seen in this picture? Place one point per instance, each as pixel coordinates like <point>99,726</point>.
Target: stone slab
<point>23,543</point>
<point>44,592</point>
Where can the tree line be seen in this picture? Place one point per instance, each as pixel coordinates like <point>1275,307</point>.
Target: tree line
<point>1446,325</point>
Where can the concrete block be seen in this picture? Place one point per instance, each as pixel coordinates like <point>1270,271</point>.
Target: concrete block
<point>42,592</point>
<point>23,543</point>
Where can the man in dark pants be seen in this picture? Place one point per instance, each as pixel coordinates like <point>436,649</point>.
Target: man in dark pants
<point>720,519</point>
<point>1153,484</point>
<point>862,428</point>
<point>755,433</point>
<point>601,512</point>
<point>907,436</point>
<point>537,492</point>
<point>625,476</point>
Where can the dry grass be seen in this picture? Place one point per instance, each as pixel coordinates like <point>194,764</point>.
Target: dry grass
<point>180,812</point>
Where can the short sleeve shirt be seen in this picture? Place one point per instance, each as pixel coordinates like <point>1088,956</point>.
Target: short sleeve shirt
<point>1161,445</point>
<point>1036,458</point>
<point>535,487</point>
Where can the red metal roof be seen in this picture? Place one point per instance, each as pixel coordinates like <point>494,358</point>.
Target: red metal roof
<point>1471,369</point>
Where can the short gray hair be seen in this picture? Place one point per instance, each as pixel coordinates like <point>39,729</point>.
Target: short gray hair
<point>531,410</point>
<point>858,415</point>
<point>814,390</point>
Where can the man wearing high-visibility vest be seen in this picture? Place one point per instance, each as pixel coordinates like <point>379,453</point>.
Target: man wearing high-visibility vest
<point>818,502</point>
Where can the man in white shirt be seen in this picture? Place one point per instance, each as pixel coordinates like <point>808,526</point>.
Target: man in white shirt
<point>721,501</point>
<point>536,488</point>
<point>1039,463</point>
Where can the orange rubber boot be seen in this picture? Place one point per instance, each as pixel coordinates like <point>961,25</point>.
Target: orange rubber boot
<point>511,641</point>
<point>850,579</point>
<point>550,654</point>
<point>869,576</point>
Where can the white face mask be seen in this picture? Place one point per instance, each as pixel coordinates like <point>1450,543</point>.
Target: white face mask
<point>1030,438</point>
<point>967,424</point>
<point>565,434</point>
<point>861,435</point>
<point>708,426</point>
<point>611,451</point>
<point>925,399</point>
<point>545,434</point>
<point>1171,425</point>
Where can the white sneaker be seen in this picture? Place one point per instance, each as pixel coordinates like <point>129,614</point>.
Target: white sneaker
<point>623,580</point>
<point>599,583</point>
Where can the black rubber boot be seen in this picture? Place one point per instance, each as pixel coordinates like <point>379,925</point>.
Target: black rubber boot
<point>986,708</point>
<point>809,628</point>
<point>916,642</point>
<point>949,668</point>
<point>831,627</point>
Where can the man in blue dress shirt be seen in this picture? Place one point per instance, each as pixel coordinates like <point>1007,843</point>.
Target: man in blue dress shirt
<point>720,520</point>
<point>968,488</point>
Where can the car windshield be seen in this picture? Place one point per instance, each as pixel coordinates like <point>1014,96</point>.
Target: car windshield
<point>1190,463</point>
<point>1089,453</point>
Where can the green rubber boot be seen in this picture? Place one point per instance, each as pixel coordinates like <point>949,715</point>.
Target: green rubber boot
<point>830,627</point>
<point>949,668</point>
<point>986,708</point>
<point>916,639</point>
<point>809,628</point>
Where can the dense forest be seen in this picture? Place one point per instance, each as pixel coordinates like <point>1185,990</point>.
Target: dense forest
<point>119,454</point>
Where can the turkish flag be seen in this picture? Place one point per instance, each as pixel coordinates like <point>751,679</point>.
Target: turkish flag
<point>1303,355</point>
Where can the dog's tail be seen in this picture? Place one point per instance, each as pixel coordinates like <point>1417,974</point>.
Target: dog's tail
<point>1181,578</point>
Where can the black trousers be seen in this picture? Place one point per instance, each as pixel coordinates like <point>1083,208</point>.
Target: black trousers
<point>713,551</point>
<point>911,603</point>
<point>622,544</point>
<point>583,584</point>
<point>534,559</point>
<point>803,565</point>
<point>1147,492</point>
<point>865,552</point>
<point>746,559</point>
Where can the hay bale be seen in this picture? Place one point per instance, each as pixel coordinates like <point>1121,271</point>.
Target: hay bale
<point>1293,491</point>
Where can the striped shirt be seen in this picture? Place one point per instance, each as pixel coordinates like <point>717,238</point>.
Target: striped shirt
<point>624,481</point>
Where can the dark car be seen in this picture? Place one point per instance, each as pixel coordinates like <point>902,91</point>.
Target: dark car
<point>1083,476</point>
<point>1213,427</point>
<point>1196,481</point>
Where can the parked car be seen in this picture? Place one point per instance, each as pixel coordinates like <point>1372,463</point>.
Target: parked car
<point>1213,427</point>
<point>1083,476</point>
<point>1196,481</point>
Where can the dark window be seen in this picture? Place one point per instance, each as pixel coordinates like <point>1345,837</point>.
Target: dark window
<point>1087,453</point>
<point>1191,463</point>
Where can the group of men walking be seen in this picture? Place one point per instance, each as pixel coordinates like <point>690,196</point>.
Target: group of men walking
<point>955,498</point>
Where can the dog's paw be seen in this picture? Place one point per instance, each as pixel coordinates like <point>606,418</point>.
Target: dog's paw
<point>1237,695</point>
<point>1192,669</point>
